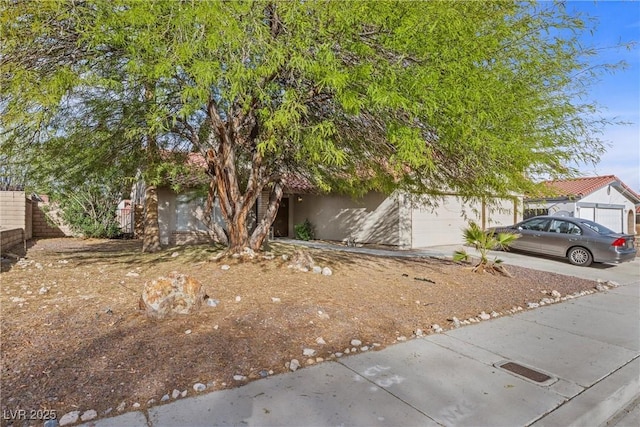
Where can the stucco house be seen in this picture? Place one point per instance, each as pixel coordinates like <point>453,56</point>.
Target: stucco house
<point>398,219</point>
<point>603,199</point>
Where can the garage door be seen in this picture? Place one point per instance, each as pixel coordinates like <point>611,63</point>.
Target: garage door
<point>442,226</point>
<point>588,213</point>
<point>610,218</point>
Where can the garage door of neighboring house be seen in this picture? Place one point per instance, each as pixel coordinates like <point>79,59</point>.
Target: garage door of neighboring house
<point>442,226</point>
<point>610,217</point>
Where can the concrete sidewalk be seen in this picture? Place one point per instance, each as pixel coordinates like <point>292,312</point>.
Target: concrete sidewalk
<point>589,348</point>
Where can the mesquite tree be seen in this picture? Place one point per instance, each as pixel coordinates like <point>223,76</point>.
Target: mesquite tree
<point>471,97</point>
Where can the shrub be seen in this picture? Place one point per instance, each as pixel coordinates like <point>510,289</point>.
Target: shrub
<point>484,241</point>
<point>304,231</point>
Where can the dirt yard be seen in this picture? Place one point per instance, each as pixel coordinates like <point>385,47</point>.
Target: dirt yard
<point>73,338</point>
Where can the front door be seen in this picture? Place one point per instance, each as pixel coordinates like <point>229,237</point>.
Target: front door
<point>281,223</point>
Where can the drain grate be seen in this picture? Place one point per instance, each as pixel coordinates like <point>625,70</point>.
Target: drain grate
<point>527,373</point>
<point>536,376</point>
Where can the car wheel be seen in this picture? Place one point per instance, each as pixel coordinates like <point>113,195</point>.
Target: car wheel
<point>580,256</point>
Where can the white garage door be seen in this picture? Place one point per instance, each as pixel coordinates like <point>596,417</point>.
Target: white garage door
<point>588,213</point>
<point>442,226</point>
<point>610,218</point>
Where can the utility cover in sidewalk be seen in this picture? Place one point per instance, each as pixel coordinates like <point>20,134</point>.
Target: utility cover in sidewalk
<point>527,373</point>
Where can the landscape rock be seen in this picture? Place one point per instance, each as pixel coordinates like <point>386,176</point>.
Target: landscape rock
<point>275,299</point>
<point>225,267</point>
<point>132,274</point>
<point>456,322</point>
<point>356,342</point>
<point>184,393</point>
<point>175,254</point>
<point>121,406</point>
<point>51,423</point>
<point>309,352</point>
<point>555,294</point>
<point>175,393</point>
<point>320,341</point>
<point>326,271</point>
<point>212,302</point>
<point>419,332</point>
<point>175,294</point>
<point>301,260</point>
<point>316,269</point>
<point>294,365</point>
<point>69,418</point>
<point>135,405</point>
<point>532,305</point>
<point>89,415</point>
<point>436,328</point>
<point>239,377</point>
<point>484,316</point>
<point>164,398</point>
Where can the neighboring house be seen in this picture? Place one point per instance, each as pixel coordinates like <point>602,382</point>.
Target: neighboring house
<point>396,220</point>
<point>603,199</point>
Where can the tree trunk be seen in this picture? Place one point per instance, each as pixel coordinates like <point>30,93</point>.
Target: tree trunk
<point>151,234</point>
<point>262,230</point>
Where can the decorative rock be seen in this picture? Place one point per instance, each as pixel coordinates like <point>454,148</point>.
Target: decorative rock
<point>484,316</point>
<point>319,359</point>
<point>600,287</point>
<point>419,332</point>
<point>338,354</point>
<point>152,401</point>
<point>356,342</point>
<point>199,387</point>
<point>175,294</point>
<point>51,423</point>
<point>456,322</point>
<point>175,394</point>
<point>17,299</point>
<point>69,418</point>
<point>212,302</point>
<point>555,294</point>
<point>316,269</point>
<point>132,274</point>
<point>401,338</point>
<point>43,290</point>
<point>347,351</point>
<point>436,328</point>
<point>238,298</point>
<point>532,305</point>
<point>310,361</point>
<point>89,415</point>
<point>308,352</point>
<point>164,398</point>
<point>184,393</point>
<point>225,267</point>
<point>136,405</point>
<point>175,254</point>
<point>285,257</point>
<point>121,406</point>
<point>364,348</point>
<point>239,378</point>
<point>323,315</point>
<point>275,299</point>
<point>320,341</point>
<point>294,365</point>
<point>263,373</point>
<point>301,260</point>
<point>188,331</point>
<point>494,314</point>
<point>327,271</point>
<point>354,350</point>
<point>612,284</point>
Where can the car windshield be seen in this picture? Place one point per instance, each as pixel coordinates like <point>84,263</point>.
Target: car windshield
<point>600,229</point>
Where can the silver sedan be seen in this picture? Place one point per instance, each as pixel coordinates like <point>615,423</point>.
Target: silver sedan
<point>579,240</point>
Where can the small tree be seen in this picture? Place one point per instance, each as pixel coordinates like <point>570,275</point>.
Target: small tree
<point>483,241</point>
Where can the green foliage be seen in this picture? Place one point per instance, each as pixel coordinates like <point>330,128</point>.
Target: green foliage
<point>484,241</point>
<point>304,231</point>
<point>469,97</point>
<point>90,211</point>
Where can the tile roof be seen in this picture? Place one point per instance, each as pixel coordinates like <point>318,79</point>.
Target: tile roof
<point>294,183</point>
<point>580,187</point>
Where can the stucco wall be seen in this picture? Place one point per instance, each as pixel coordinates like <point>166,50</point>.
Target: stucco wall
<point>373,218</point>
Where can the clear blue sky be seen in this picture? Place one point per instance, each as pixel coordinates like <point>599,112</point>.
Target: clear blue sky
<point>619,93</point>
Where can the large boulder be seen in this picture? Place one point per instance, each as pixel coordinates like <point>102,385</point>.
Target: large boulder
<point>175,294</point>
